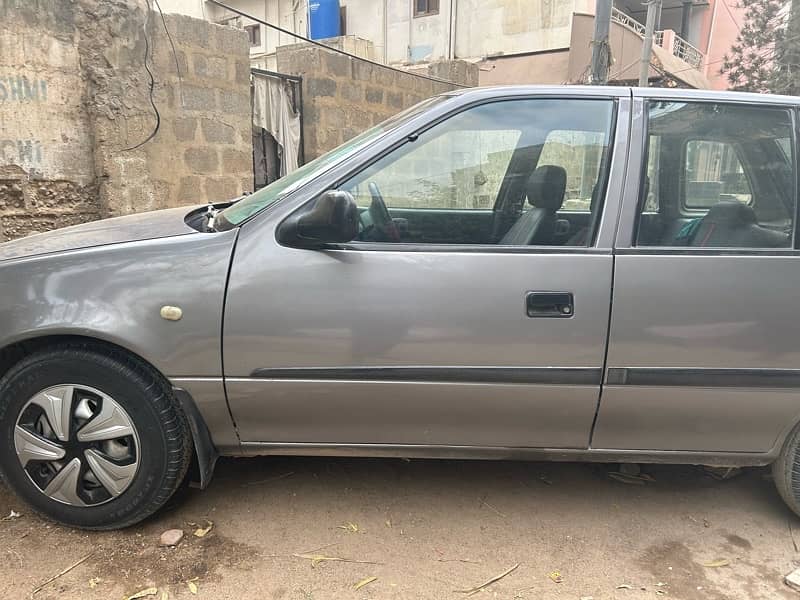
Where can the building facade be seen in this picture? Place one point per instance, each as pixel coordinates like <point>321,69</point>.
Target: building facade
<point>513,41</point>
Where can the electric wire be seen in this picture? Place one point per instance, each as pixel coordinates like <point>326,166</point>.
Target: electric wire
<point>152,85</point>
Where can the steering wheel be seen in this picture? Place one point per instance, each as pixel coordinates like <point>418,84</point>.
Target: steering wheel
<point>382,221</point>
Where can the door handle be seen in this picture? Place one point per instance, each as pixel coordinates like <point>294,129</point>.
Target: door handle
<point>549,304</point>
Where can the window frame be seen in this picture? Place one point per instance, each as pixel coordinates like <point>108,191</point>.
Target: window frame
<point>597,220</point>
<point>254,27</point>
<point>428,12</point>
<point>626,238</point>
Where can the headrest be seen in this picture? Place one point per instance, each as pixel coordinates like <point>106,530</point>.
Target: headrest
<point>546,187</point>
<point>731,212</point>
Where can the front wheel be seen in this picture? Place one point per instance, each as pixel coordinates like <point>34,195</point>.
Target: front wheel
<point>91,437</point>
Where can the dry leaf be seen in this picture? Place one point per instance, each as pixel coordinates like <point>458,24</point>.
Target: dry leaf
<point>720,562</point>
<point>624,586</point>
<point>364,582</point>
<point>151,591</point>
<point>192,585</point>
<point>478,588</point>
<point>556,577</point>
<point>350,527</point>
<point>202,531</point>
<point>93,582</point>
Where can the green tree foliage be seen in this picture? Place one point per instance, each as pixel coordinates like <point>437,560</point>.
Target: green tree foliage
<point>766,54</point>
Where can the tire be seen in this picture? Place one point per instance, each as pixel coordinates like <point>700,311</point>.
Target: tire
<point>786,471</point>
<point>114,415</point>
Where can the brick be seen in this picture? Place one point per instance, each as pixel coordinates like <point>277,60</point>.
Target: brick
<point>348,133</point>
<point>423,86</point>
<point>242,71</point>
<point>337,64</point>
<point>184,128</point>
<point>190,189</point>
<point>231,40</point>
<point>299,61</point>
<point>405,81</point>
<point>236,161</point>
<point>210,67</point>
<point>234,102</point>
<point>191,32</point>
<point>321,86</point>
<point>395,99</point>
<point>216,132</point>
<point>374,95</point>
<point>198,98</point>
<point>221,188</point>
<point>333,117</point>
<point>201,160</point>
<point>363,71</point>
<point>167,60</point>
<point>386,77</point>
<point>351,91</point>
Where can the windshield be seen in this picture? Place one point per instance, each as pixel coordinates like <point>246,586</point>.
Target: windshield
<point>244,209</point>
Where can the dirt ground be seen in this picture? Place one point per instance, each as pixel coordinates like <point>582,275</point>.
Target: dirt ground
<point>426,530</point>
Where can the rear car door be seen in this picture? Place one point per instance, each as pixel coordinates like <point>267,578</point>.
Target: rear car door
<point>447,333</point>
<point>703,354</point>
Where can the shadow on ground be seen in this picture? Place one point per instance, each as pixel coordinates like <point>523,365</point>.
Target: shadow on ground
<point>425,530</point>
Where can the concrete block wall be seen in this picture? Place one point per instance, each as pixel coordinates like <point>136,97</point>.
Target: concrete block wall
<point>75,98</point>
<point>342,96</point>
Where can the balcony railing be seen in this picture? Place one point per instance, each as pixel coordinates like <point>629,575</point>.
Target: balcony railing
<point>678,47</point>
<point>620,17</point>
<point>686,52</point>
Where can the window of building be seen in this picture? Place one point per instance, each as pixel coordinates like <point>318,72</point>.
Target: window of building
<point>254,34</point>
<point>423,8</point>
<point>718,176</point>
<point>499,173</point>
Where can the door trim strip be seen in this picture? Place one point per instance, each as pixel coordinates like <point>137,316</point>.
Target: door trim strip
<point>731,378</point>
<point>455,374</point>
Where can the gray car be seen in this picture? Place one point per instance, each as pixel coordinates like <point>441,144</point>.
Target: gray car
<point>565,273</point>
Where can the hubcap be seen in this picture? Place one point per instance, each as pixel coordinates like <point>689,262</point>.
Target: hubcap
<point>77,445</point>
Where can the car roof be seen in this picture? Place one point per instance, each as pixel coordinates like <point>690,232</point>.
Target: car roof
<point>475,93</point>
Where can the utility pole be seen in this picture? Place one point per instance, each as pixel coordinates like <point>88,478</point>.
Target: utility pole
<point>601,53</point>
<point>653,12</point>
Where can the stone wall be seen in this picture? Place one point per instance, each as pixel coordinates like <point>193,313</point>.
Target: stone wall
<point>342,96</point>
<point>75,103</point>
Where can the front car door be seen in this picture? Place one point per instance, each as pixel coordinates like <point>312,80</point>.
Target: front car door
<point>435,328</point>
<point>703,353</point>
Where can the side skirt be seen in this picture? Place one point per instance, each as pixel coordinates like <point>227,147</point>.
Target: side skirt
<point>715,459</point>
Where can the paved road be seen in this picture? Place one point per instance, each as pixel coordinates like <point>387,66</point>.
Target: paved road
<point>424,530</point>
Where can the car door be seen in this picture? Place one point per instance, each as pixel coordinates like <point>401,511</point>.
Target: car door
<point>400,343</point>
<point>703,355</point>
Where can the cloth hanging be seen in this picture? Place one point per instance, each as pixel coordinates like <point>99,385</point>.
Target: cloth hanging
<point>273,111</point>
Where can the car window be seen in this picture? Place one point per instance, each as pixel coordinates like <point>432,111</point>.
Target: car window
<point>713,171</point>
<point>580,153</point>
<point>254,203</point>
<point>461,169</point>
<point>509,172</point>
<point>717,175</point>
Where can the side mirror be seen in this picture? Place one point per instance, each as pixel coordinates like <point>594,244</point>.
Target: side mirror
<point>331,219</point>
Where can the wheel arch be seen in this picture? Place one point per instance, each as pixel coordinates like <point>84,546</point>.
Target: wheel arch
<point>205,452</point>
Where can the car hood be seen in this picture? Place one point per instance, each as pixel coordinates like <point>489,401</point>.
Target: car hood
<point>130,228</point>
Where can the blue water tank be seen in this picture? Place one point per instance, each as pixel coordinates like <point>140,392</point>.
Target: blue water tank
<point>323,19</point>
